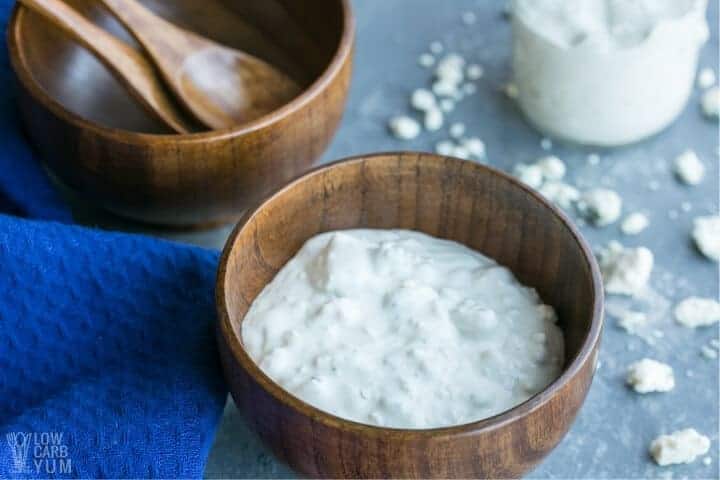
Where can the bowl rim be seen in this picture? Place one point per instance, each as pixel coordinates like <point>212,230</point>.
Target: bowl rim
<point>342,55</point>
<point>584,354</point>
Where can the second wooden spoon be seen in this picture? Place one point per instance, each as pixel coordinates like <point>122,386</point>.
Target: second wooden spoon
<point>221,86</point>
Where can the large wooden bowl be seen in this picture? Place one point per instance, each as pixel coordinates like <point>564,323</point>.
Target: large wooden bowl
<point>449,198</point>
<point>97,140</point>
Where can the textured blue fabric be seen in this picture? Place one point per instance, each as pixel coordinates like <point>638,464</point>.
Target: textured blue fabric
<point>108,340</point>
<point>108,366</point>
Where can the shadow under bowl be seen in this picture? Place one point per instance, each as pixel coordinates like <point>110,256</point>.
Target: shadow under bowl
<point>448,198</point>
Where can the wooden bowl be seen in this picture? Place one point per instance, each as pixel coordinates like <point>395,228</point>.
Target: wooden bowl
<point>448,198</point>
<point>97,140</point>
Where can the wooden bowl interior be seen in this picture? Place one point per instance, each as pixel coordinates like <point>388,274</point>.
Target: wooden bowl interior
<point>447,198</point>
<point>300,38</point>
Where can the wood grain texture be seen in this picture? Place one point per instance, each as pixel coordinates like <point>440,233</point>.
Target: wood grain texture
<point>221,86</point>
<point>129,66</point>
<point>101,143</point>
<point>448,198</point>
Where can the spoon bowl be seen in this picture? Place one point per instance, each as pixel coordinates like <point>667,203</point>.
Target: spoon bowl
<point>225,87</point>
<point>221,86</point>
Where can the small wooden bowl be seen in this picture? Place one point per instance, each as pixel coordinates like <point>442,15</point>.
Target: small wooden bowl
<point>448,198</point>
<point>97,140</point>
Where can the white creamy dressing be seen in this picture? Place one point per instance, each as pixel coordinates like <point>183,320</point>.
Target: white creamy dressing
<point>602,24</point>
<point>605,72</point>
<point>399,329</point>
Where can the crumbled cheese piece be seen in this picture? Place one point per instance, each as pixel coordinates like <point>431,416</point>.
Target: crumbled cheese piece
<point>707,461</point>
<point>445,147</point>
<point>423,100</point>
<point>461,152</point>
<point>404,128</point>
<point>683,446</point>
<point>447,105</point>
<point>546,143</point>
<point>530,175</point>
<point>625,271</point>
<point>544,175</point>
<point>649,375</point>
<point>708,352</point>
<point>593,159</point>
<point>474,71</point>
<point>653,185</point>
<point>449,76</point>
<point>511,91</point>
<point>465,148</point>
<point>457,130</point>
<point>632,322</point>
<point>552,167</point>
<point>469,18</point>
<point>469,89</point>
<point>426,60</point>
<point>450,68</point>
<point>711,102</point>
<point>442,88</point>
<point>706,234</point>
<point>696,312</point>
<point>601,206</point>
<point>685,206</point>
<point>706,78</point>
<point>634,223</point>
<point>434,119</point>
<point>474,146</point>
<point>436,47</point>
<point>560,193</point>
<point>689,168</point>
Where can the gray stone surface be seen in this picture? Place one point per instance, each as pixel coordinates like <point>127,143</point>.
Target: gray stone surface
<point>612,432</point>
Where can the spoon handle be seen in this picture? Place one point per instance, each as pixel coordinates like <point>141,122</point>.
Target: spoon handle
<point>159,37</point>
<point>126,63</point>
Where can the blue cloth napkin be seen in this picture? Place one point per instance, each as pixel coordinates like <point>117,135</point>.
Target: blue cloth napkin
<point>108,365</point>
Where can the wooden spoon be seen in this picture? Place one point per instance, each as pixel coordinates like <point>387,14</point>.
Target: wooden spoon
<point>221,86</point>
<point>127,64</point>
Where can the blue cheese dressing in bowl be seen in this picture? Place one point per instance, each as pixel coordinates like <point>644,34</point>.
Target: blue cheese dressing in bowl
<point>399,329</point>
